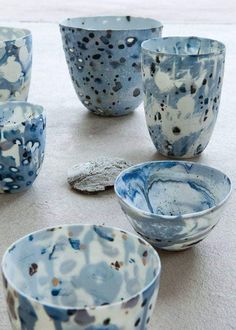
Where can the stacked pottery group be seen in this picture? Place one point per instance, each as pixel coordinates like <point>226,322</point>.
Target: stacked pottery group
<point>96,277</point>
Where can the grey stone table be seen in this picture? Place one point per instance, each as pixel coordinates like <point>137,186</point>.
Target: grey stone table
<point>198,285</point>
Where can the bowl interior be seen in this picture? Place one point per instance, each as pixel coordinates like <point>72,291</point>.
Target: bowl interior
<point>80,266</point>
<point>183,46</point>
<point>111,23</point>
<point>13,113</point>
<point>172,188</point>
<point>8,33</point>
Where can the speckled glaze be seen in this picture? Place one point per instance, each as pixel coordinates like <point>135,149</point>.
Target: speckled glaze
<point>80,277</point>
<point>103,57</point>
<point>182,86</point>
<point>15,63</point>
<point>172,204</point>
<point>22,142</point>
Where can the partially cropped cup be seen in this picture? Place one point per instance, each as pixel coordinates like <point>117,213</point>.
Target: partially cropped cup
<point>182,85</point>
<point>15,63</point>
<point>80,277</point>
<point>103,57</point>
<point>22,143</point>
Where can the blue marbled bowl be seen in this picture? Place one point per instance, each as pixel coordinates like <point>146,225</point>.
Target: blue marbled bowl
<point>15,63</point>
<point>182,78</point>
<point>172,204</point>
<point>22,143</point>
<point>81,277</point>
<point>103,57</point>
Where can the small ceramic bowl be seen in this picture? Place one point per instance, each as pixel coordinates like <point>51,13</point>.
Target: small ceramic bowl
<point>172,204</point>
<point>15,63</point>
<point>80,277</point>
<point>103,57</point>
<point>22,143</point>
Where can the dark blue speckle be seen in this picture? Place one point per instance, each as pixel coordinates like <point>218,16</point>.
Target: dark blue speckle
<point>43,250</point>
<point>75,243</point>
<point>102,233</point>
<point>55,292</point>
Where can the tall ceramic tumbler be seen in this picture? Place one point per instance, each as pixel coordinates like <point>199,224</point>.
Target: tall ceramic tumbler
<point>182,85</point>
<point>15,63</point>
<point>103,57</point>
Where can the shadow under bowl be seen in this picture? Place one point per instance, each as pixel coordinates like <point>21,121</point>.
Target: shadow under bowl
<point>81,276</point>
<point>22,144</point>
<point>172,204</point>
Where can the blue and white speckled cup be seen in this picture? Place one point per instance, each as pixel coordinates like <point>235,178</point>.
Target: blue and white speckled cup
<point>80,277</point>
<point>22,143</point>
<point>15,63</point>
<point>182,86</point>
<point>103,57</point>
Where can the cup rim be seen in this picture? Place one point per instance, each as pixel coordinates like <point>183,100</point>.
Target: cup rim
<point>145,47</point>
<point>116,303</point>
<point>10,125</point>
<point>171,217</point>
<point>155,23</point>
<point>27,33</point>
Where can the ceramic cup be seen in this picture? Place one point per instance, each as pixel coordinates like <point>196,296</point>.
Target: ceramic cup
<point>182,86</point>
<point>103,57</point>
<point>15,63</point>
<point>80,277</point>
<point>22,142</point>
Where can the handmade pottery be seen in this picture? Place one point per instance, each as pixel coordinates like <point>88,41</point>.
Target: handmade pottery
<point>15,63</point>
<point>80,277</point>
<point>172,204</point>
<point>103,57</point>
<point>182,85</point>
<point>22,142</point>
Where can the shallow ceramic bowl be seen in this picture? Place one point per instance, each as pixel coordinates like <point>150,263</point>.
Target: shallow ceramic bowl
<point>103,57</point>
<point>81,277</point>
<point>15,63</point>
<point>22,143</point>
<point>172,204</point>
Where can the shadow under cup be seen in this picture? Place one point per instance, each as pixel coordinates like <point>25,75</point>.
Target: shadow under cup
<point>182,86</point>
<point>103,57</point>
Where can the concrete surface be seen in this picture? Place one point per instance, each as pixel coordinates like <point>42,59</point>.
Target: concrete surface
<point>198,285</point>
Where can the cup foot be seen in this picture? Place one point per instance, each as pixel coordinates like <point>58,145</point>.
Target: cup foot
<point>105,113</point>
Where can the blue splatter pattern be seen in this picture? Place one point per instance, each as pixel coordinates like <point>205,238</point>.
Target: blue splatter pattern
<point>59,289</point>
<point>182,86</point>
<point>22,144</point>
<point>15,63</point>
<point>103,57</point>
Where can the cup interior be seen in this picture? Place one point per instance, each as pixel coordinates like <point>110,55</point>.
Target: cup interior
<point>172,188</point>
<point>14,113</point>
<point>111,23</point>
<point>8,33</point>
<point>184,46</point>
<point>80,266</point>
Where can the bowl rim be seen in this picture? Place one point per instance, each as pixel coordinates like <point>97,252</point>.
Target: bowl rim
<point>145,49</point>
<point>172,217</point>
<point>77,308</point>
<point>27,33</point>
<point>156,23</point>
<point>15,103</point>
